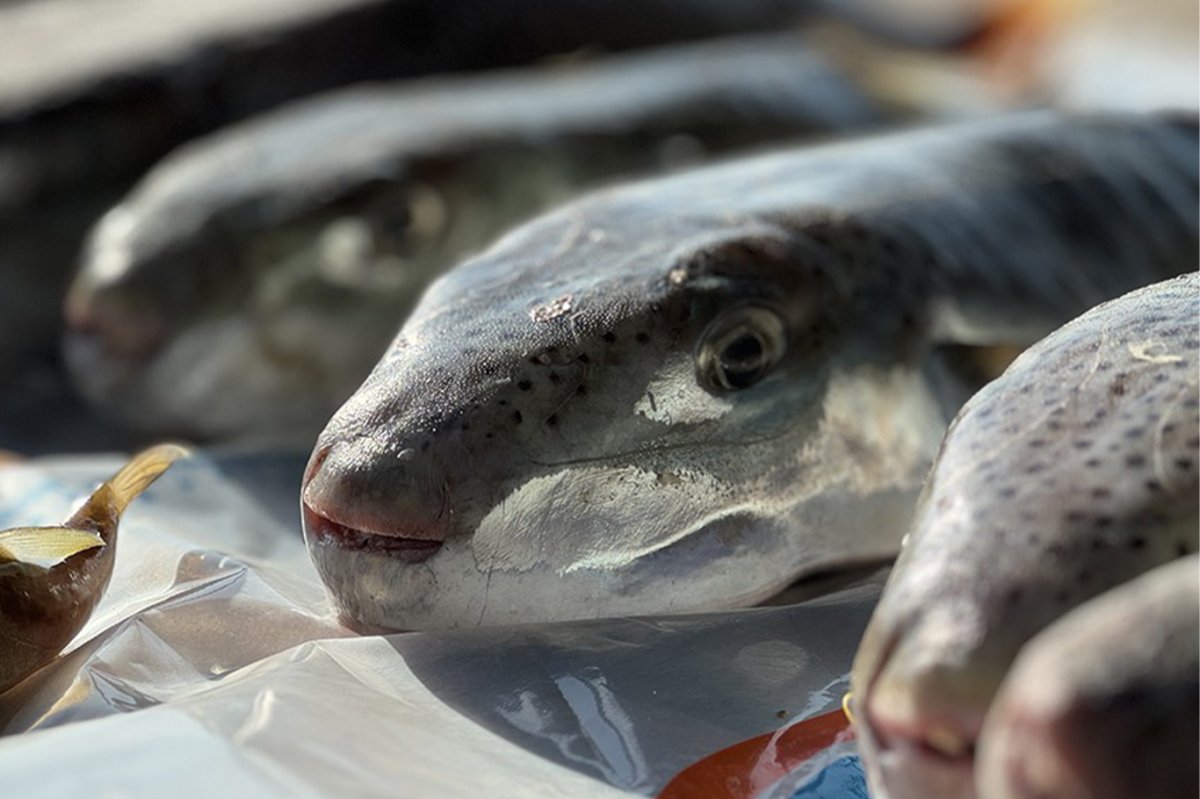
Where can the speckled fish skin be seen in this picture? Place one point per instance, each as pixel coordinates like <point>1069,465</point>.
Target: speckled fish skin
<point>544,439</point>
<point>1103,703</point>
<point>1071,474</point>
<point>251,280</point>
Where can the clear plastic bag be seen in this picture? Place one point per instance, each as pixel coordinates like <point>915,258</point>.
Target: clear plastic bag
<point>216,630</point>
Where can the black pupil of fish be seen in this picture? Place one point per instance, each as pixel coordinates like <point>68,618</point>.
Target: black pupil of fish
<point>742,360</point>
<point>745,350</point>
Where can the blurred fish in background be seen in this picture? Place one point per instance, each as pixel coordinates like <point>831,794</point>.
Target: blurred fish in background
<point>247,285</point>
<point>93,91</point>
<point>213,302</point>
<point>1089,54</point>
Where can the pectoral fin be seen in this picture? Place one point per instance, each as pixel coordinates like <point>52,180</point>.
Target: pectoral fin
<point>45,547</point>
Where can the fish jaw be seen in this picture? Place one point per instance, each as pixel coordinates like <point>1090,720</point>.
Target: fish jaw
<point>110,338</point>
<point>557,542</point>
<point>113,328</point>
<point>570,568</point>
<point>910,769</point>
<point>927,668</point>
<point>116,310</point>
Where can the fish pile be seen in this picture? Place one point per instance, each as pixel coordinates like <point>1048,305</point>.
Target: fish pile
<point>93,92</point>
<point>558,365</point>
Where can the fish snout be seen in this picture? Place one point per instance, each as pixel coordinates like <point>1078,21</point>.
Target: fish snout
<point>920,714</point>
<point>110,328</point>
<point>396,505</point>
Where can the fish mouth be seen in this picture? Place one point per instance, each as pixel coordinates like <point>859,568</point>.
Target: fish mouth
<point>916,762</point>
<point>97,329</point>
<point>915,769</point>
<point>915,755</point>
<point>927,740</point>
<point>320,530</point>
<point>355,527</point>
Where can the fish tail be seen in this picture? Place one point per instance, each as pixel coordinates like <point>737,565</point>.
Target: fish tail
<point>142,470</point>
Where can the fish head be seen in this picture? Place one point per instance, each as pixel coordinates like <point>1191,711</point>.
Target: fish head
<point>216,310</point>
<point>617,410</point>
<point>131,290</point>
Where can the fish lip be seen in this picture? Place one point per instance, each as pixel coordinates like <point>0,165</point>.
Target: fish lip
<point>320,530</point>
<point>909,769</point>
<point>918,737</point>
<point>112,333</point>
<point>909,772</point>
<point>901,760</point>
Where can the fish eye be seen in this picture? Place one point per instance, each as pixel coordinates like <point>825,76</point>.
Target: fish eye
<point>739,348</point>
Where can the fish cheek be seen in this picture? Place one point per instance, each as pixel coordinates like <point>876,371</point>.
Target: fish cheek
<point>568,401</point>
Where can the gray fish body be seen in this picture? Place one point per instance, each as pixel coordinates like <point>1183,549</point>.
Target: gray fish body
<point>1102,703</point>
<point>683,394</point>
<point>1073,473</point>
<point>249,283</point>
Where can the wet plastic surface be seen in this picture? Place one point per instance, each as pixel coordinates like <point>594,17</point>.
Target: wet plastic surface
<point>218,633</point>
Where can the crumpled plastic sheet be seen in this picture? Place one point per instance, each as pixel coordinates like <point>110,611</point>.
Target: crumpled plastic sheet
<point>214,666</point>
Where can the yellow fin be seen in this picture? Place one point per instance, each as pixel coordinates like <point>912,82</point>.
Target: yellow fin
<point>45,546</point>
<point>142,470</point>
